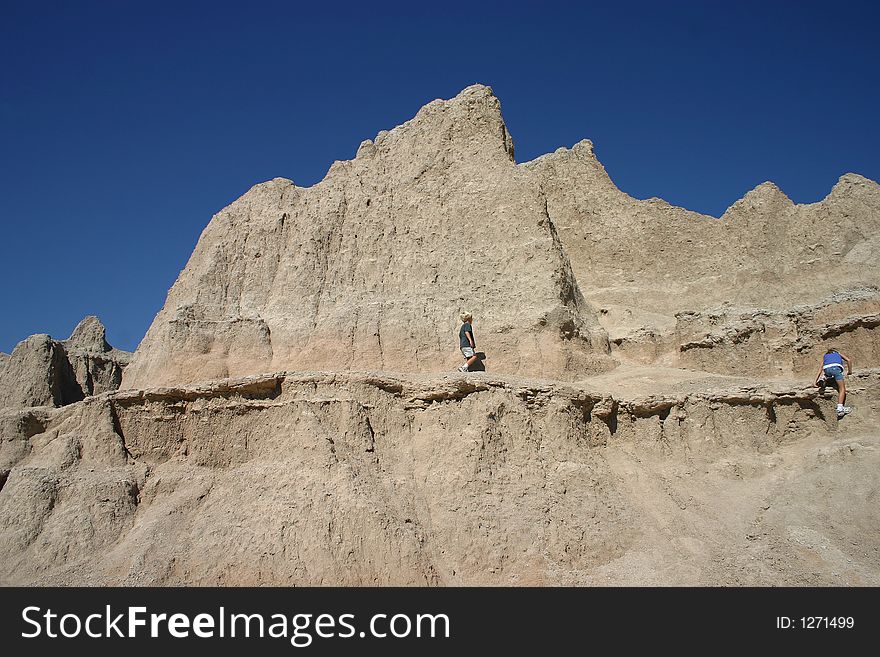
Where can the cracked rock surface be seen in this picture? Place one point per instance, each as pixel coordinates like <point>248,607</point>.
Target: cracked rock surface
<point>378,478</point>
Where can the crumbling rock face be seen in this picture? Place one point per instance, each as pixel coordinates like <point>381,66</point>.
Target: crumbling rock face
<point>46,372</point>
<point>370,268</point>
<point>375,479</point>
<point>639,424</point>
<point>658,273</point>
<point>781,343</point>
<point>765,251</point>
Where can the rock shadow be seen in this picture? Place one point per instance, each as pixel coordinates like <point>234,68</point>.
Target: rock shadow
<point>479,365</point>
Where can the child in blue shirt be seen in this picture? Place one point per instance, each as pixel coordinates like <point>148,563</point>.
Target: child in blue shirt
<point>831,373</point>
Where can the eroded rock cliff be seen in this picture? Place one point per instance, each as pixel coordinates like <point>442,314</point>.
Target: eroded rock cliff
<point>370,268</point>
<point>293,415</point>
<point>358,479</point>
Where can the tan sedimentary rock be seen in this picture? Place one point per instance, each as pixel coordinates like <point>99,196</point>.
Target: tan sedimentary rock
<point>37,374</point>
<point>651,268</point>
<point>46,372</point>
<point>765,251</point>
<point>730,340</point>
<point>287,418</point>
<point>96,365</point>
<point>370,268</point>
<point>364,479</point>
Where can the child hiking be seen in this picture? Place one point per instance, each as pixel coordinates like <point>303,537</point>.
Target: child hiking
<point>467,342</point>
<point>831,373</point>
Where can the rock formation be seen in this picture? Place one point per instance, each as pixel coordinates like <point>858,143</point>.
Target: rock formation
<point>293,415</point>
<point>658,273</point>
<point>363,479</point>
<point>96,365</point>
<point>46,372</point>
<point>370,268</point>
<point>37,374</point>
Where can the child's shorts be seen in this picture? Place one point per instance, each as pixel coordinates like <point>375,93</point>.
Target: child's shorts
<point>467,351</point>
<point>834,372</point>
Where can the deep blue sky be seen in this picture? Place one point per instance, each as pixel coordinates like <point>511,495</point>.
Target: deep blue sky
<point>125,125</point>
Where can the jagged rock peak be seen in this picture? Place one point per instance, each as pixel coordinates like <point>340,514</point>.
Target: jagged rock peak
<point>375,253</point>
<point>852,184</point>
<point>476,97</point>
<point>766,197</point>
<point>89,335</point>
<point>582,150</point>
<point>766,191</point>
<point>471,117</point>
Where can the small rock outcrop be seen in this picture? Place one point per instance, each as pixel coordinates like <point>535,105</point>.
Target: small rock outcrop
<point>96,365</point>
<point>46,372</point>
<point>37,373</point>
<point>781,343</point>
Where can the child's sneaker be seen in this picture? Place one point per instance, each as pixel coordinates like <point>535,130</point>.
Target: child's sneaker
<point>843,410</point>
<point>463,368</point>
